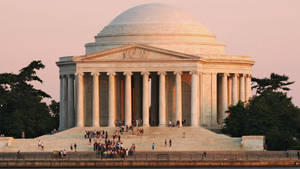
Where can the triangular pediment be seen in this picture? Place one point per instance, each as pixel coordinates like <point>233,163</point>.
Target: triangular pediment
<point>135,52</point>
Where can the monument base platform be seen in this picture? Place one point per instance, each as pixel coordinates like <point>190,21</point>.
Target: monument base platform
<point>183,139</point>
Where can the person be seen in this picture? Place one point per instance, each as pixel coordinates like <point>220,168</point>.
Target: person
<point>298,154</point>
<point>165,142</point>
<point>39,143</point>
<point>42,146</point>
<point>75,147</point>
<point>170,142</point>
<point>71,147</point>
<point>18,154</point>
<point>65,153</point>
<point>170,123</point>
<point>153,146</point>
<point>204,155</point>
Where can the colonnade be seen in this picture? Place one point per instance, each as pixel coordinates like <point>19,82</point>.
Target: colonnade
<point>231,87</point>
<point>128,96</point>
<point>67,101</point>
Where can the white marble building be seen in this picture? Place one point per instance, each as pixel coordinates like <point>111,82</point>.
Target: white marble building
<point>153,63</point>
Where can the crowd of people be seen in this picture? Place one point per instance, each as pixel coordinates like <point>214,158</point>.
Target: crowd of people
<point>111,146</point>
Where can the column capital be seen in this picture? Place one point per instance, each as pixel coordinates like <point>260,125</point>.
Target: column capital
<point>70,76</point>
<point>234,74</point>
<point>145,73</point>
<point>194,72</point>
<point>95,73</point>
<point>111,73</point>
<point>224,74</point>
<point>161,73</point>
<point>248,75</point>
<point>127,73</point>
<point>79,73</point>
<point>177,73</point>
<point>241,75</point>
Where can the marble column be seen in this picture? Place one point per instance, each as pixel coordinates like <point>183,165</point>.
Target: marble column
<point>61,105</point>
<point>194,99</point>
<point>96,107</point>
<point>80,100</point>
<point>234,89</point>
<point>214,99</point>
<point>145,99</point>
<point>248,87</point>
<point>224,96</point>
<point>229,91</point>
<point>111,100</point>
<point>178,113</point>
<point>71,113</point>
<point>65,100</point>
<point>242,88</point>
<point>162,98</point>
<point>128,110</point>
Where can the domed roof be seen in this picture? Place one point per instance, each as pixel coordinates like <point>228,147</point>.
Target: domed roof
<point>155,16</point>
<point>154,13</point>
<point>157,25</point>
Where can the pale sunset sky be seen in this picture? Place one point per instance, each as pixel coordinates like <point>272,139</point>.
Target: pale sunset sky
<point>267,30</point>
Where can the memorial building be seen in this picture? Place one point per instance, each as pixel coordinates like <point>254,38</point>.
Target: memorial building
<point>151,65</point>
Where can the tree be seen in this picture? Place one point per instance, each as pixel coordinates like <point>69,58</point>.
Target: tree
<point>54,110</point>
<point>274,83</point>
<point>270,113</point>
<point>21,105</point>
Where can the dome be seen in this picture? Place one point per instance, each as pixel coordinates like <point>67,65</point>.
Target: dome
<point>157,25</point>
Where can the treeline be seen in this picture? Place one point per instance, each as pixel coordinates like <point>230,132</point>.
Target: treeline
<point>23,111</point>
<point>270,113</point>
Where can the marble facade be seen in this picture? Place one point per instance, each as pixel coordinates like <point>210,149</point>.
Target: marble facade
<point>131,74</point>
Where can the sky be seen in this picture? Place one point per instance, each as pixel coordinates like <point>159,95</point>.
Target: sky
<point>266,30</point>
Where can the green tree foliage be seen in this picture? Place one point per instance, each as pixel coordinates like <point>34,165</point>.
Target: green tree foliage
<point>54,110</point>
<point>274,83</point>
<point>270,113</point>
<point>21,105</point>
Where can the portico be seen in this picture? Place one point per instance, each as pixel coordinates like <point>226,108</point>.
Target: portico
<point>94,82</point>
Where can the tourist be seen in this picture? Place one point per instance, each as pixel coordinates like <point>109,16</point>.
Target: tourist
<point>170,142</point>
<point>18,154</point>
<point>170,123</point>
<point>65,153</point>
<point>75,147</point>
<point>39,143</point>
<point>153,146</point>
<point>71,147</point>
<point>165,142</point>
<point>42,146</point>
<point>204,155</point>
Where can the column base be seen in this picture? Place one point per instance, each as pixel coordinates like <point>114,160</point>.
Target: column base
<point>146,125</point>
<point>61,129</point>
<point>111,125</point>
<point>80,124</point>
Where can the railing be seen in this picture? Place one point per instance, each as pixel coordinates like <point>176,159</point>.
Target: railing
<point>160,156</point>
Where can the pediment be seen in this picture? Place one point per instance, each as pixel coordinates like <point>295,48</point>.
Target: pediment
<point>135,52</point>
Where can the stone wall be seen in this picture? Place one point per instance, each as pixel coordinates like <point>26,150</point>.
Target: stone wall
<point>253,142</point>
